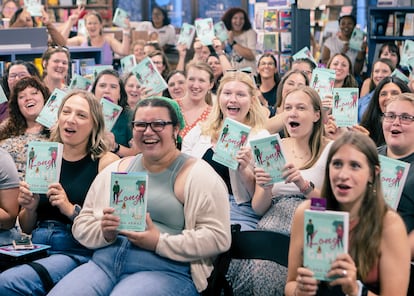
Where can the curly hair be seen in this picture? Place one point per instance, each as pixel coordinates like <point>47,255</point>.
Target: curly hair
<point>228,15</point>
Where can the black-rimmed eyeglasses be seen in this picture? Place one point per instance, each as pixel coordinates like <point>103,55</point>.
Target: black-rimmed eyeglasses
<point>156,126</point>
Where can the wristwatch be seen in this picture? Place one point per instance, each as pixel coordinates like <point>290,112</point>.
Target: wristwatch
<point>76,210</point>
<point>308,188</point>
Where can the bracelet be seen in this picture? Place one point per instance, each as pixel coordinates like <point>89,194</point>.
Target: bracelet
<point>362,290</point>
<point>116,149</point>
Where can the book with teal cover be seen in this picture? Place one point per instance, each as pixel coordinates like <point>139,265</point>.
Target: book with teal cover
<point>356,40</point>
<point>205,30</point>
<point>84,64</point>
<point>323,81</point>
<point>129,199</point>
<point>397,73</point>
<point>186,36</point>
<point>148,76</point>
<point>128,63</point>
<point>394,173</point>
<point>407,52</point>
<point>93,71</point>
<point>120,16</point>
<point>325,237</point>
<point>81,2</point>
<point>48,116</point>
<point>268,154</point>
<point>232,137</point>
<point>9,250</point>
<point>220,31</point>
<point>79,82</point>
<point>3,98</point>
<point>44,161</point>
<point>345,106</point>
<point>304,53</point>
<point>111,112</point>
<point>34,7</point>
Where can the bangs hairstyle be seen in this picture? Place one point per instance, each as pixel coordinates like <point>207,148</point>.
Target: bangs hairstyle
<point>203,66</point>
<point>96,146</point>
<point>48,54</point>
<point>366,236</point>
<point>254,118</point>
<point>123,97</point>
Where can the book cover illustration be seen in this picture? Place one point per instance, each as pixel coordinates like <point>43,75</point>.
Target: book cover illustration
<point>267,42</point>
<point>205,30</point>
<point>120,17</point>
<point>186,36</point>
<point>9,250</point>
<point>48,116</point>
<point>44,161</point>
<point>111,112</point>
<point>232,137</point>
<point>408,29</point>
<point>270,20</point>
<point>410,65</point>
<point>345,106</point>
<point>220,31</point>
<point>284,63</point>
<point>397,73</point>
<point>3,98</point>
<point>323,81</point>
<point>84,64</point>
<point>407,52</point>
<point>268,154</point>
<point>304,53</point>
<point>394,173</point>
<point>148,76</point>
<point>81,2</point>
<point>357,38</point>
<point>128,63</point>
<point>129,199</point>
<point>79,82</point>
<point>91,72</point>
<point>34,7</point>
<point>285,41</point>
<point>325,237</point>
<point>285,19</point>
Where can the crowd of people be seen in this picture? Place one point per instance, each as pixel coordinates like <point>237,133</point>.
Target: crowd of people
<point>193,199</point>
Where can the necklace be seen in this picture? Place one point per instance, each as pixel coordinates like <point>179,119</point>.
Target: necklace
<point>302,157</point>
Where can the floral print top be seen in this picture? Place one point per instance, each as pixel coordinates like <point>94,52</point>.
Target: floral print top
<point>188,127</point>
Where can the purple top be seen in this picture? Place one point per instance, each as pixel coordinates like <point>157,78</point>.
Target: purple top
<point>106,51</point>
<point>3,111</point>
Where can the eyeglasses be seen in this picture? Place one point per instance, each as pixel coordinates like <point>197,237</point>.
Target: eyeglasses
<point>18,75</point>
<point>158,62</point>
<point>270,64</point>
<point>156,126</point>
<point>404,118</point>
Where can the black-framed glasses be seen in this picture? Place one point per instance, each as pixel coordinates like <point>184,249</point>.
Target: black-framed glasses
<point>404,118</point>
<point>156,126</point>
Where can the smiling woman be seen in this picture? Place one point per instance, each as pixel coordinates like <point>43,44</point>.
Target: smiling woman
<point>55,62</point>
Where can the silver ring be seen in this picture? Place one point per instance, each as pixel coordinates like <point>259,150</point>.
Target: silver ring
<point>344,272</point>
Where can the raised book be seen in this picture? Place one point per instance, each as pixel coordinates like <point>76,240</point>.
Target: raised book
<point>44,161</point>
<point>394,174</point>
<point>220,31</point>
<point>304,53</point>
<point>345,106</point>
<point>79,82</point>
<point>325,237</point>
<point>48,116</point>
<point>268,155</point>
<point>232,137</point>
<point>129,199</point>
<point>111,113</point>
<point>407,52</point>
<point>34,7</point>
<point>128,63</point>
<point>323,81</point>
<point>186,36</point>
<point>205,30</point>
<point>3,98</point>
<point>356,40</point>
<point>120,17</point>
<point>148,76</point>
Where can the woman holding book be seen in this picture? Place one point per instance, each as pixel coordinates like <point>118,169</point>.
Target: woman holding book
<point>55,62</point>
<point>110,86</point>
<point>187,221</point>
<point>236,99</point>
<point>397,124</point>
<point>48,218</point>
<point>343,71</point>
<point>353,185</point>
<point>160,61</point>
<point>28,98</point>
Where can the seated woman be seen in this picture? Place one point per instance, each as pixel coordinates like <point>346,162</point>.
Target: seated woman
<point>187,221</point>
<point>48,218</point>
<point>55,62</point>
<point>343,70</point>
<point>352,185</point>
<point>397,124</point>
<point>177,85</point>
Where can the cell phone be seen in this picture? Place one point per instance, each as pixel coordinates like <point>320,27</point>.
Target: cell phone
<point>23,243</point>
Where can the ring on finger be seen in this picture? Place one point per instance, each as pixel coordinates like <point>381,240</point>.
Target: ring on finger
<point>344,272</point>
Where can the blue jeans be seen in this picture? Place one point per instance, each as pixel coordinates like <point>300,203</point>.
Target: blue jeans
<point>243,214</point>
<point>23,279</point>
<point>124,269</point>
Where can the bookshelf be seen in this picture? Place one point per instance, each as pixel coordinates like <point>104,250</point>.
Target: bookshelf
<point>379,19</point>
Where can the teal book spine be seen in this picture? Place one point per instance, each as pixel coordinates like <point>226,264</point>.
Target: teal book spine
<point>345,106</point>
<point>128,63</point>
<point>268,155</point>
<point>205,30</point>
<point>129,199</point>
<point>394,174</point>
<point>186,36</point>
<point>323,81</point>
<point>48,116</point>
<point>120,17</point>
<point>325,237</point>
<point>111,113</point>
<point>232,137</point>
<point>44,162</point>
<point>220,31</point>
<point>148,76</point>
<point>79,82</point>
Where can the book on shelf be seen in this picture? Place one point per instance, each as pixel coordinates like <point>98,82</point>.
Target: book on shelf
<point>92,72</point>
<point>285,41</point>
<point>270,19</point>
<point>186,36</point>
<point>220,31</point>
<point>205,30</point>
<point>3,97</point>
<point>120,18</point>
<point>285,19</point>
<point>284,62</point>
<point>397,73</point>
<point>323,81</point>
<point>111,113</point>
<point>394,174</point>
<point>325,237</point>
<point>378,25</point>
<point>9,250</point>
<point>345,106</point>
<point>269,42</point>
<point>399,20</point>
<point>357,39</point>
<point>233,136</point>
<point>81,2</point>
<point>408,29</point>
<point>128,63</point>
<point>389,30</point>
<point>148,76</point>
<point>44,161</point>
<point>79,82</point>
<point>268,155</point>
<point>84,63</point>
<point>34,7</point>
<point>304,53</point>
<point>407,52</point>
<point>48,115</point>
<point>129,199</point>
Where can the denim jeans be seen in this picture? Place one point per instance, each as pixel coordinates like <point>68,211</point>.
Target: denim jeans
<point>23,280</point>
<point>124,269</point>
<point>243,214</point>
